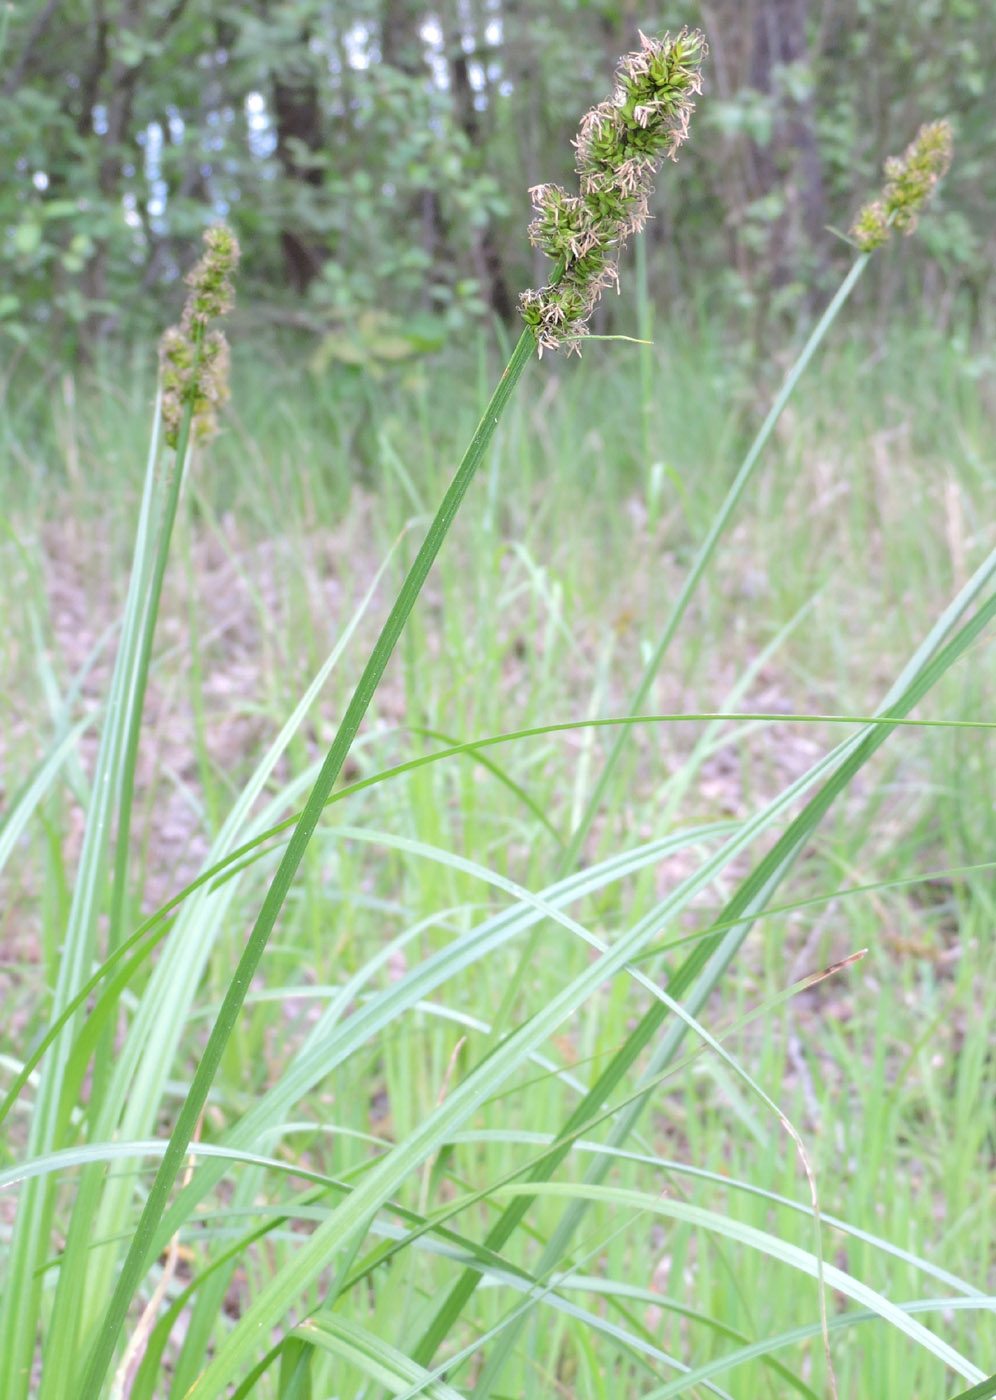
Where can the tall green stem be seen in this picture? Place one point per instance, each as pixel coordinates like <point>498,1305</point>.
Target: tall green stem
<point>457,1298</point>
<point>572,851</point>
<point>140,677</point>
<point>704,557</point>
<point>137,1258</point>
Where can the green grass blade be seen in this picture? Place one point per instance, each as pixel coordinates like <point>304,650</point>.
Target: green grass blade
<point>763,1349</point>
<point>708,549</point>
<point>26,800</point>
<point>765,1243</point>
<point>294,1382</point>
<point>709,961</point>
<point>136,1261</point>
<point>676,1168</point>
<point>29,1243</point>
<point>985,1390</point>
<point>354,1346</point>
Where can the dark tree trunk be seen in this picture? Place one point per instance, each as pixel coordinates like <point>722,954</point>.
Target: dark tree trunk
<point>298,117</point>
<point>792,159</point>
<point>488,262</point>
<point>121,86</point>
<point>401,48</point>
<point>113,84</point>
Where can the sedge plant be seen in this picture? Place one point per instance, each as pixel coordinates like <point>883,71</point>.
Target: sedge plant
<point>93,1334</point>
<point>620,153</point>
<point>911,179</point>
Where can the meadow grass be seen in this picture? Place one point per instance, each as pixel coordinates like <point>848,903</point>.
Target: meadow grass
<point>871,511</point>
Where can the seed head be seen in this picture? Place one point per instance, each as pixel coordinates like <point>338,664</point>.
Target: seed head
<point>620,145</point>
<point>910,181</point>
<point>211,291</point>
<point>194,361</point>
<point>871,228</point>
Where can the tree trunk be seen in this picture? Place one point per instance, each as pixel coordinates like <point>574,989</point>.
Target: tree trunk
<point>298,117</point>
<point>488,262</point>
<point>401,48</point>
<point>792,160</point>
<point>115,85</point>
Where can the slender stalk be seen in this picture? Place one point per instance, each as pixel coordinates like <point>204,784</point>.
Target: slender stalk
<point>136,1261</point>
<point>985,1390</point>
<point>701,972</point>
<point>140,677</point>
<point>71,1296</point>
<point>645,324</point>
<point>572,851</point>
<point>706,552</point>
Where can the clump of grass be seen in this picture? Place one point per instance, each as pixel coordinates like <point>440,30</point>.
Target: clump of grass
<point>317,1320</point>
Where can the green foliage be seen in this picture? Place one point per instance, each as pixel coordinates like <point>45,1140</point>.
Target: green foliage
<point>376,339</point>
<point>502,1063</point>
<point>369,162</point>
<point>437,831</point>
<point>124,135</point>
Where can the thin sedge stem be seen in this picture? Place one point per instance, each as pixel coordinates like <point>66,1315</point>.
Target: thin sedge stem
<point>697,975</point>
<point>708,549</point>
<point>70,1297</point>
<point>136,1260</point>
<point>572,851</point>
<point>136,698</point>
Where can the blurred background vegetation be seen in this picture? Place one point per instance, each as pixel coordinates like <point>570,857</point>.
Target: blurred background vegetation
<point>375,157</point>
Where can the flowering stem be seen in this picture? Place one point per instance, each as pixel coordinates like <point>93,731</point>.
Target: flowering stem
<point>572,851</point>
<point>457,1299</point>
<point>915,176</point>
<point>706,552</point>
<point>140,674</point>
<point>136,1260</point>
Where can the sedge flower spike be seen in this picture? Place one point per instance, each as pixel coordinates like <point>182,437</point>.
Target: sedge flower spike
<point>620,145</point>
<point>910,180</point>
<point>193,359</point>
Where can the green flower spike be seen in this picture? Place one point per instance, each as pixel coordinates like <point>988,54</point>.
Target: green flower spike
<point>910,181</point>
<point>194,360</point>
<point>620,146</point>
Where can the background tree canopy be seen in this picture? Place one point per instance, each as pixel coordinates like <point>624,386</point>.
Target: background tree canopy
<point>375,155</point>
